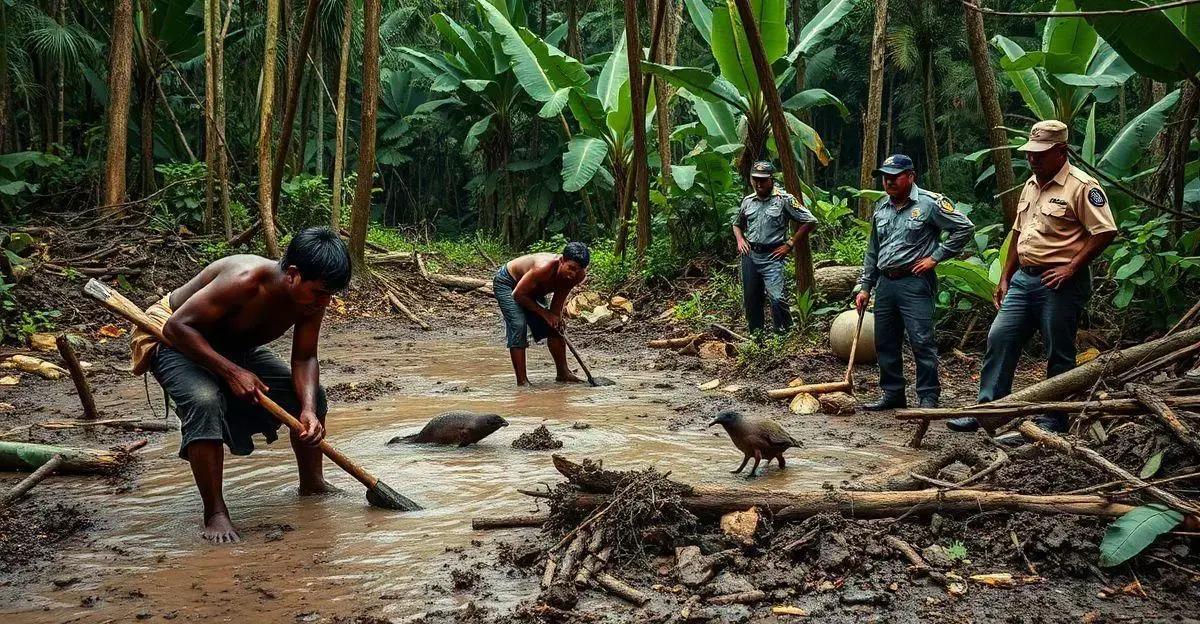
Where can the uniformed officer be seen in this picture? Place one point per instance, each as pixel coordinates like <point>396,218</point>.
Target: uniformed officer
<point>899,265</point>
<point>761,229</point>
<point>1063,222</point>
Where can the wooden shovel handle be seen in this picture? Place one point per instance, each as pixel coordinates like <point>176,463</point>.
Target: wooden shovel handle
<point>117,302</point>
<point>578,358</point>
<point>854,348</point>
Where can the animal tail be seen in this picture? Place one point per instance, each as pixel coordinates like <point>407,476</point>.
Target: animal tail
<point>404,439</point>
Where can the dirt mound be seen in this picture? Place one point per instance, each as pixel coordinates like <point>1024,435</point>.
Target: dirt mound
<point>537,440</point>
<point>356,391</point>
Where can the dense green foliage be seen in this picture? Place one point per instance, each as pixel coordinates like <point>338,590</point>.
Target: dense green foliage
<point>513,119</point>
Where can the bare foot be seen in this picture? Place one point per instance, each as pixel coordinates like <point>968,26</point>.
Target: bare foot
<point>219,530</point>
<point>324,487</point>
<point>567,378</point>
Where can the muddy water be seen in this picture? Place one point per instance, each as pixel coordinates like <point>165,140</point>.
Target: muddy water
<point>336,554</point>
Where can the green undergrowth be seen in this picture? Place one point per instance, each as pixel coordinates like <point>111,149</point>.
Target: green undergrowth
<point>463,252</point>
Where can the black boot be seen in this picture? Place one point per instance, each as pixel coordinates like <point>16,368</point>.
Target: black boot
<point>929,402</point>
<point>886,403</point>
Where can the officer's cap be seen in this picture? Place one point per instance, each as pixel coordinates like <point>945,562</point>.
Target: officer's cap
<point>896,163</point>
<point>1045,135</point>
<point>762,169</point>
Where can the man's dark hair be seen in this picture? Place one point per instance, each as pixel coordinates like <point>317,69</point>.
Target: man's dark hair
<point>319,254</point>
<point>578,252</point>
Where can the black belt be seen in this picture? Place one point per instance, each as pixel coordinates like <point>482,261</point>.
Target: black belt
<point>1035,270</point>
<point>764,248</point>
<point>895,274</point>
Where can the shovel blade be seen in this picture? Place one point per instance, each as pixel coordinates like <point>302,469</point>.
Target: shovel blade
<point>601,381</point>
<point>384,497</point>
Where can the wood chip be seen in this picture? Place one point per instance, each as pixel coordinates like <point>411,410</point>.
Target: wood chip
<point>710,385</point>
<point>789,610</point>
<point>805,403</point>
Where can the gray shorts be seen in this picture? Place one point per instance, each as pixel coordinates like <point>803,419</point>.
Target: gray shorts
<point>207,408</point>
<point>517,320</point>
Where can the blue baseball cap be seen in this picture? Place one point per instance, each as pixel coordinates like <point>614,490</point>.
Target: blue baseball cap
<point>896,163</point>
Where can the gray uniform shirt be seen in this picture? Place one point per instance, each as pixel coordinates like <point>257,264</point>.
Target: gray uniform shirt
<point>900,237</point>
<point>765,221</point>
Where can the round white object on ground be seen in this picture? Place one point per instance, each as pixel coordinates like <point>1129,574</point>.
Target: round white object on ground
<point>841,336</point>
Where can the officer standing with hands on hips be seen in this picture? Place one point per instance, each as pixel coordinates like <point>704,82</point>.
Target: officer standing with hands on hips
<point>899,265</point>
<point>761,227</point>
<point>1063,223</point>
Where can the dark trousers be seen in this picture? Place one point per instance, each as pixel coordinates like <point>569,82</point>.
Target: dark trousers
<point>905,306</point>
<point>1028,307</point>
<point>764,276</point>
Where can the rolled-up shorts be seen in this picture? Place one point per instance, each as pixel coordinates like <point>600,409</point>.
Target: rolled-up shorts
<point>208,409</point>
<point>518,322</point>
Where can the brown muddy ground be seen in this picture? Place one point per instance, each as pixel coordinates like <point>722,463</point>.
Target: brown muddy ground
<point>127,549</point>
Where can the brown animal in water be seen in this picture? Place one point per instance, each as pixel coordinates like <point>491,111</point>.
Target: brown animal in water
<point>461,428</point>
<point>755,437</point>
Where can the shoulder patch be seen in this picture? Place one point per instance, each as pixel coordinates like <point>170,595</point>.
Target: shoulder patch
<point>1096,198</point>
<point>946,206</point>
<point>916,213</point>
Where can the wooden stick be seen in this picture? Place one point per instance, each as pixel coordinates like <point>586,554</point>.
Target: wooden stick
<point>918,434</point>
<point>1183,320</point>
<point>128,424</point>
<point>509,522</point>
<point>672,343</point>
<point>746,597</point>
<point>399,305</point>
<point>729,334</point>
<point>621,589</point>
<point>77,375</point>
<point>548,573</point>
<point>571,558</point>
<point>33,479</point>
<point>1165,415</point>
<point>995,411</point>
<point>1036,434</point>
<point>854,351</point>
<point>1159,362</point>
<point>918,562</point>
<point>818,388</point>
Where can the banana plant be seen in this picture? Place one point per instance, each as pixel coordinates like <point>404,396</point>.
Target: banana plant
<point>730,104</point>
<point>1072,67</point>
<point>1163,45</point>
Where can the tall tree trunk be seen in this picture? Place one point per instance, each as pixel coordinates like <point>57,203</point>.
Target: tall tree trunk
<point>360,213</point>
<point>574,43</point>
<point>6,129</point>
<point>641,171</point>
<point>212,145</point>
<point>223,148</point>
<point>779,129</point>
<point>1168,181</point>
<point>61,87</point>
<point>296,74</point>
<point>890,94</point>
<point>319,66</point>
<point>266,206</point>
<point>870,144</point>
<point>339,122</point>
<point>989,101</point>
<point>933,167</point>
<point>663,92</point>
<point>148,97</point>
<point>120,75</point>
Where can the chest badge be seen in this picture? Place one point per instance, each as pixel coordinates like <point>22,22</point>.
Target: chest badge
<point>1058,200</point>
<point>916,213</point>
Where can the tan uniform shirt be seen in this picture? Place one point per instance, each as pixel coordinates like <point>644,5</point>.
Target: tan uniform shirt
<point>1054,221</point>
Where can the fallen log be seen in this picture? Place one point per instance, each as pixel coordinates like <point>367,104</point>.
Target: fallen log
<point>458,282</point>
<point>1165,415</point>
<point>621,589</point>
<point>33,479</point>
<point>672,343</point>
<point>23,456</point>
<point>1034,433</point>
<point>372,246</point>
<point>727,334</point>
<point>1013,410</point>
<point>572,558</point>
<point>900,477</point>
<point>548,573</point>
<point>127,424</point>
<point>798,505</point>
<point>77,375</point>
<point>1083,378</point>
<point>392,257</point>
<point>836,282</point>
<point>509,522</point>
<point>1159,362</point>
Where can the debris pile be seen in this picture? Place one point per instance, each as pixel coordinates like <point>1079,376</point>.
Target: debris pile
<point>537,440</point>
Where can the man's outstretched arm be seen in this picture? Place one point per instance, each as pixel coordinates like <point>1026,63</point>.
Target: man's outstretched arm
<point>204,310</point>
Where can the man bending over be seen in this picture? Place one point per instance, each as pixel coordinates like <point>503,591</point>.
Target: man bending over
<point>531,291</point>
<point>218,367</point>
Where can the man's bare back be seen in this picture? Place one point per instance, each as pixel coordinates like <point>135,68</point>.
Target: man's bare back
<point>541,265</point>
<point>257,318</point>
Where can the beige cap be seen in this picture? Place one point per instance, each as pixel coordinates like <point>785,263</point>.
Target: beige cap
<point>1045,135</point>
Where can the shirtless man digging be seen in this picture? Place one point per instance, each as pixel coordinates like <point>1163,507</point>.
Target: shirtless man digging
<point>522,287</point>
<point>218,324</point>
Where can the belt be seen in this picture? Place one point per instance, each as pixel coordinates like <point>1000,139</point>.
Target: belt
<point>898,273</point>
<point>764,247</point>
<point>1035,270</point>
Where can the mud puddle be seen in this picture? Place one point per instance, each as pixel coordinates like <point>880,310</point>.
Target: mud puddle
<point>305,559</point>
